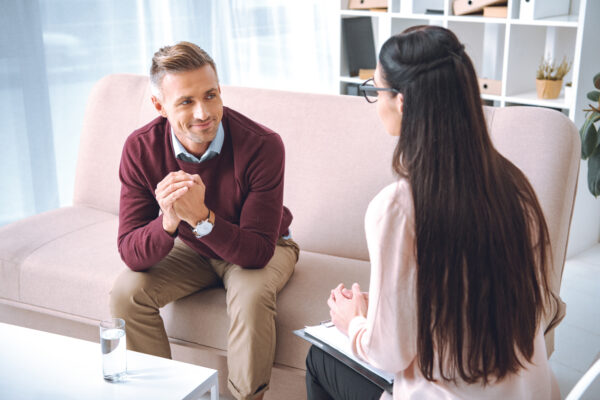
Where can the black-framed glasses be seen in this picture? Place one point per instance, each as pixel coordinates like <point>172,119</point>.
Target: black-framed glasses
<point>370,91</point>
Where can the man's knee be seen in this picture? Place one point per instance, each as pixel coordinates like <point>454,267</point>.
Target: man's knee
<point>251,301</point>
<point>128,293</point>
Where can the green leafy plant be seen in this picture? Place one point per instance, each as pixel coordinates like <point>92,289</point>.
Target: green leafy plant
<point>551,71</point>
<point>590,140</point>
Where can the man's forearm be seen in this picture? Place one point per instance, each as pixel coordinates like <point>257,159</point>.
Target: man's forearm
<point>143,247</point>
<point>238,246</point>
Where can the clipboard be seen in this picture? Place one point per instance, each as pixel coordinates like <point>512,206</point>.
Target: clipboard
<point>383,380</point>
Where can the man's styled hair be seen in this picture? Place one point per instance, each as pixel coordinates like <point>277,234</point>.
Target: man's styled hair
<point>181,57</point>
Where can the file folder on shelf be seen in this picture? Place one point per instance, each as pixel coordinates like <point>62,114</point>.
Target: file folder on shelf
<point>534,9</point>
<point>357,33</point>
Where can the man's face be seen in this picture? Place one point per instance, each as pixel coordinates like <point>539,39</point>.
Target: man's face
<point>191,101</point>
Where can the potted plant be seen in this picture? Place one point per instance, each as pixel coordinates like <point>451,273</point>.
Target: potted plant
<point>549,77</point>
<point>590,140</point>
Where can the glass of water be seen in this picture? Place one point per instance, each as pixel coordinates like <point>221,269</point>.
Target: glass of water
<point>113,343</point>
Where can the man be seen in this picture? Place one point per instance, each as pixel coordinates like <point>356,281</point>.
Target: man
<point>202,205</point>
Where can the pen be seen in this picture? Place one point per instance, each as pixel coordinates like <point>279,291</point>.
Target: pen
<point>327,323</point>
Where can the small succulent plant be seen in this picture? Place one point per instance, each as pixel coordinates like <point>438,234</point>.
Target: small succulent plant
<point>550,70</point>
<point>590,140</point>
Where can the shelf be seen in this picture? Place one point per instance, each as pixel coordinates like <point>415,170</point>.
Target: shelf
<point>477,19</point>
<point>530,98</point>
<point>430,17</point>
<point>568,21</point>
<point>501,49</point>
<point>351,79</point>
<point>361,13</point>
<point>491,97</point>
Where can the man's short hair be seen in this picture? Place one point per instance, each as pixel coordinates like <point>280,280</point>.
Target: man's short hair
<point>181,57</point>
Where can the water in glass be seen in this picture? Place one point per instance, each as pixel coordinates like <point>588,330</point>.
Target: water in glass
<point>113,343</point>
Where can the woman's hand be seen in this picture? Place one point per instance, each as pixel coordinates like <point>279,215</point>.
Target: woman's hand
<point>345,304</point>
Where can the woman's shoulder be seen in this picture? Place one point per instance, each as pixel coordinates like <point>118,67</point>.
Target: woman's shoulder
<point>394,200</point>
<point>396,194</point>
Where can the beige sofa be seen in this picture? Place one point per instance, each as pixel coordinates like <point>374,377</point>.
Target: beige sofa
<point>57,268</point>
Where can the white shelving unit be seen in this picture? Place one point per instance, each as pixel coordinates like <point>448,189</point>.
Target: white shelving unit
<point>506,49</point>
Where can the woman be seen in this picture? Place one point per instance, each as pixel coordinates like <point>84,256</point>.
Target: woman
<point>458,245</point>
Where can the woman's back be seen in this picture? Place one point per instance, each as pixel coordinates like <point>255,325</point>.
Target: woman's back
<point>481,240</point>
<point>388,336</point>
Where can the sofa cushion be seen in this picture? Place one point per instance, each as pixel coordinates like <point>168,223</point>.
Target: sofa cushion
<point>117,106</point>
<point>202,317</point>
<point>75,272</point>
<point>21,240</point>
<point>338,157</point>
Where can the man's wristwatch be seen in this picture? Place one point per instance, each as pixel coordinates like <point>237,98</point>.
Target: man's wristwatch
<point>204,227</point>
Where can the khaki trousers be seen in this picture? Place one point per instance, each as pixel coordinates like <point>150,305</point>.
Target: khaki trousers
<point>137,297</point>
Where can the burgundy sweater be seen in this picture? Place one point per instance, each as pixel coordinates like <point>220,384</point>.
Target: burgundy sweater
<point>244,188</point>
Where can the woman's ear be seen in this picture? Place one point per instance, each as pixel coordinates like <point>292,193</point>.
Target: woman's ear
<point>400,103</point>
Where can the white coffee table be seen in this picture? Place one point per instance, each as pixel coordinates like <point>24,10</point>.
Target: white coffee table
<point>41,365</point>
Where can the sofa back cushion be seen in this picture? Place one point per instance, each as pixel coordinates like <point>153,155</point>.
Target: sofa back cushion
<point>118,104</point>
<point>338,157</point>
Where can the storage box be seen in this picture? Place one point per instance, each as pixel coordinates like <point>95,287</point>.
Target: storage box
<point>365,74</point>
<point>462,7</point>
<point>495,11</point>
<point>534,9</point>
<point>366,4</point>
<point>490,86</point>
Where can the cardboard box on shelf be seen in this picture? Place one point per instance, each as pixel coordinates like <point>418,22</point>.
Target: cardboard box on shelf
<point>367,4</point>
<point>490,86</point>
<point>462,7</point>
<point>366,73</point>
<point>495,11</point>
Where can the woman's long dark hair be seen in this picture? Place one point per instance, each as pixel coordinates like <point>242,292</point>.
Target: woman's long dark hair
<point>482,243</point>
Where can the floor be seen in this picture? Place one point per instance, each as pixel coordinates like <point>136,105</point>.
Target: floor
<point>578,336</point>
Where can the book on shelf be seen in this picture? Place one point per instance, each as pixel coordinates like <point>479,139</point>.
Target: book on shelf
<point>359,44</point>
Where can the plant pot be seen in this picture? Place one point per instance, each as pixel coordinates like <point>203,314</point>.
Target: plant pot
<point>547,89</point>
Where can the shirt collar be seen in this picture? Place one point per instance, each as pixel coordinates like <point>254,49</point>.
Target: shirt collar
<point>213,149</point>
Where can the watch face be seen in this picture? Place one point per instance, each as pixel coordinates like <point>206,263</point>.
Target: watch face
<point>203,228</point>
